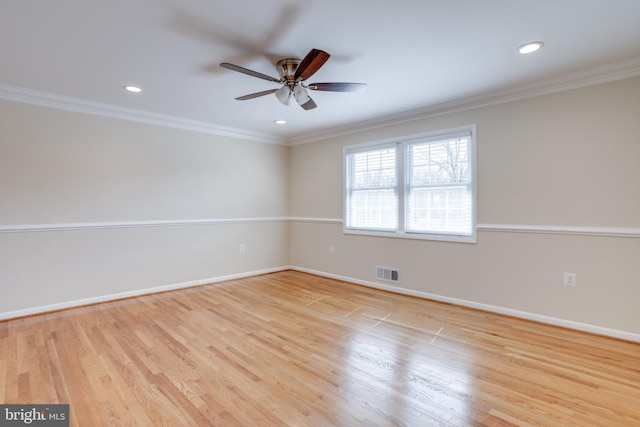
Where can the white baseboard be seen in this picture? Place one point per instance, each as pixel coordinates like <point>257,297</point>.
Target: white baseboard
<point>130,294</point>
<point>569,324</point>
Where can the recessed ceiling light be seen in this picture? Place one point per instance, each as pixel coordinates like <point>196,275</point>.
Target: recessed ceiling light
<point>530,47</point>
<point>133,89</point>
<point>280,122</point>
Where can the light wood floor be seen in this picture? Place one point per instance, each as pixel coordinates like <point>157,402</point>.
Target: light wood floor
<point>291,349</point>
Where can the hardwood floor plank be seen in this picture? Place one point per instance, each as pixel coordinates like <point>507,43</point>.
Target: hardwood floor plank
<point>293,349</point>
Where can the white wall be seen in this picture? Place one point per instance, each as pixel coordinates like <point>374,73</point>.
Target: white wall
<point>553,162</point>
<point>81,197</point>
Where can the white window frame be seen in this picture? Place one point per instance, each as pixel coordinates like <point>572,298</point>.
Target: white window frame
<point>401,144</point>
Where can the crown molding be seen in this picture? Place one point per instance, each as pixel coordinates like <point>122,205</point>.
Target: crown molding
<point>576,80</point>
<point>45,99</point>
<point>591,77</point>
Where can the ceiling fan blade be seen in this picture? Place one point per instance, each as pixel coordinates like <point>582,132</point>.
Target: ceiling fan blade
<point>339,87</point>
<point>248,72</point>
<point>311,63</point>
<point>256,95</point>
<point>309,105</point>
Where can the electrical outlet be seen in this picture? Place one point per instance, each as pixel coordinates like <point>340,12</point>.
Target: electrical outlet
<point>569,279</point>
<point>242,249</point>
<point>332,249</point>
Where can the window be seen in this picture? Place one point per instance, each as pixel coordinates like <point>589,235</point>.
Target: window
<point>372,189</point>
<point>422,187</point>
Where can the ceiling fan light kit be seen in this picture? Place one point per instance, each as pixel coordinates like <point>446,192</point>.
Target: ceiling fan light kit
<point>283,94</point>
<point>301,95</point>
<point>293,72</point>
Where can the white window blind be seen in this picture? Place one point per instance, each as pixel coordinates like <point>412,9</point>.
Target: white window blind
<point>372,189</point>
<point>438,186</point>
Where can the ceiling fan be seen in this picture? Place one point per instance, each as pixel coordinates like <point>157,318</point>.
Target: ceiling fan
<point>293,72</point>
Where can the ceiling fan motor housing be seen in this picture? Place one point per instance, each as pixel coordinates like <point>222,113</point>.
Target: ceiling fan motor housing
<point>287,69</point>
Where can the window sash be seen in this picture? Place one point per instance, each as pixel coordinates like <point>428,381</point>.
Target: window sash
<point>438,186</point>
<point>372,188</point>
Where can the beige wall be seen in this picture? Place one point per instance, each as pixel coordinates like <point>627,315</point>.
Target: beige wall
<point>60,169</point>
<point>59,166</point>
<point>567,159</point>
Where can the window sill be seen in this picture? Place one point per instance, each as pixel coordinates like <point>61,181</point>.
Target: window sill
<point>414,236</point>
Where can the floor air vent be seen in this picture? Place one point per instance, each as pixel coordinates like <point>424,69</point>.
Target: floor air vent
<point>387,274</point>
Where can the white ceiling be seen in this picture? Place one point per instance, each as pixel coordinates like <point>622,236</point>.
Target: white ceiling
<point>416,56</point>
